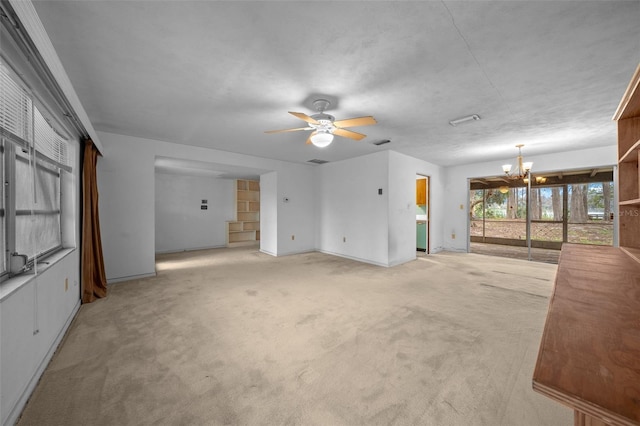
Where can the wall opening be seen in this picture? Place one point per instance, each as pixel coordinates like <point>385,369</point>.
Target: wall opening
<point>422,214</point>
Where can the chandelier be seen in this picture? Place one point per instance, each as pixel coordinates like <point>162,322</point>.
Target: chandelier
<point>522,168</point>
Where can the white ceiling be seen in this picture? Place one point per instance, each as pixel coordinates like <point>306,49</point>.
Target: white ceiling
<point>216,74</point>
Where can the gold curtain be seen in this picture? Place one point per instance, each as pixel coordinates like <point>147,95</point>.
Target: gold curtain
<point>94,281</point>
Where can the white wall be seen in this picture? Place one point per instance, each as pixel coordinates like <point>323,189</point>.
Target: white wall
<point>269,213</point>
<point>350,208</point>
<point>379,229</point>
<point>456,220</point>
<point>301,193</point>
<point>402,206</point>
<point>126,179</point>
<point>180,223</point>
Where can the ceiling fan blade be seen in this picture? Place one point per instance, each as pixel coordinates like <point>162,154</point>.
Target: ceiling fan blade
<point>309,138</point>
<point>305,117</point>
<point>289,130</point>
<point>349,134</point>
<point>354,122</point>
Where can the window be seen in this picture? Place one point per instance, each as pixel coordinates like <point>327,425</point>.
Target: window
<point>35,163</point>
<point>574,206</point>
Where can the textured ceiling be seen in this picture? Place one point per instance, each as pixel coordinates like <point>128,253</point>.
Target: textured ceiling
<point>215,74</point>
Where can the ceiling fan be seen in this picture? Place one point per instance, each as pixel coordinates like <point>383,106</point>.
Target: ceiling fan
<point>325,126</point>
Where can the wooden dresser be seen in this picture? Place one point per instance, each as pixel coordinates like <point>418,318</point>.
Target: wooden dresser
<point>589,356</point>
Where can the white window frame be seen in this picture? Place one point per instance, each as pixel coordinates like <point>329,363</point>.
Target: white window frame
<point>42,144</point>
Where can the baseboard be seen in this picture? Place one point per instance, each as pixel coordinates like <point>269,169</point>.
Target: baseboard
<point>288,253</point>
<point>16,411</point>
<point>401,261</point>
<point>357,259</point>
<point>129,278</point>
<point>453,250</point>
<point>293,253</point>
<point>190,249</point>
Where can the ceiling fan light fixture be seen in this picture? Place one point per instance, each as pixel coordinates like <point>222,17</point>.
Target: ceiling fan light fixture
<point>322,139</point>
<point>325,126</point>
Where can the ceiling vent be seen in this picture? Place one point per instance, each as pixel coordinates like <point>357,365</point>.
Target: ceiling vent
<point>382,142</point>
<point>316,161</point>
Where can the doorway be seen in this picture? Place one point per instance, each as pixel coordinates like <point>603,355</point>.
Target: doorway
<point>422,214</point>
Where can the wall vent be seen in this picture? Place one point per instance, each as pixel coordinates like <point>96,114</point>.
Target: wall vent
<point>316,161</point>
<point>382,142</point>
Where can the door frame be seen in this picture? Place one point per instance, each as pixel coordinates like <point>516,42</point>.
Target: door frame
<point>428,204</point>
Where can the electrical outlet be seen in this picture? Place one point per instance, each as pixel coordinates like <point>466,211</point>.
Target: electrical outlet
<point>66,284</point>
<point>344,239</point>
<point>293,237</point>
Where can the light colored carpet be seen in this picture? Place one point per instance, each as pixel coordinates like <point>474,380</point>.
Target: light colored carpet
<point>234,336</point>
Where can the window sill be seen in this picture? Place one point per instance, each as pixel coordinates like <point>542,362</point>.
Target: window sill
<point>10,286</point>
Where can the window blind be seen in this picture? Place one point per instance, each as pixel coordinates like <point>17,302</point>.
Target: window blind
<point>16,107</point>
<point>24,121</point>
